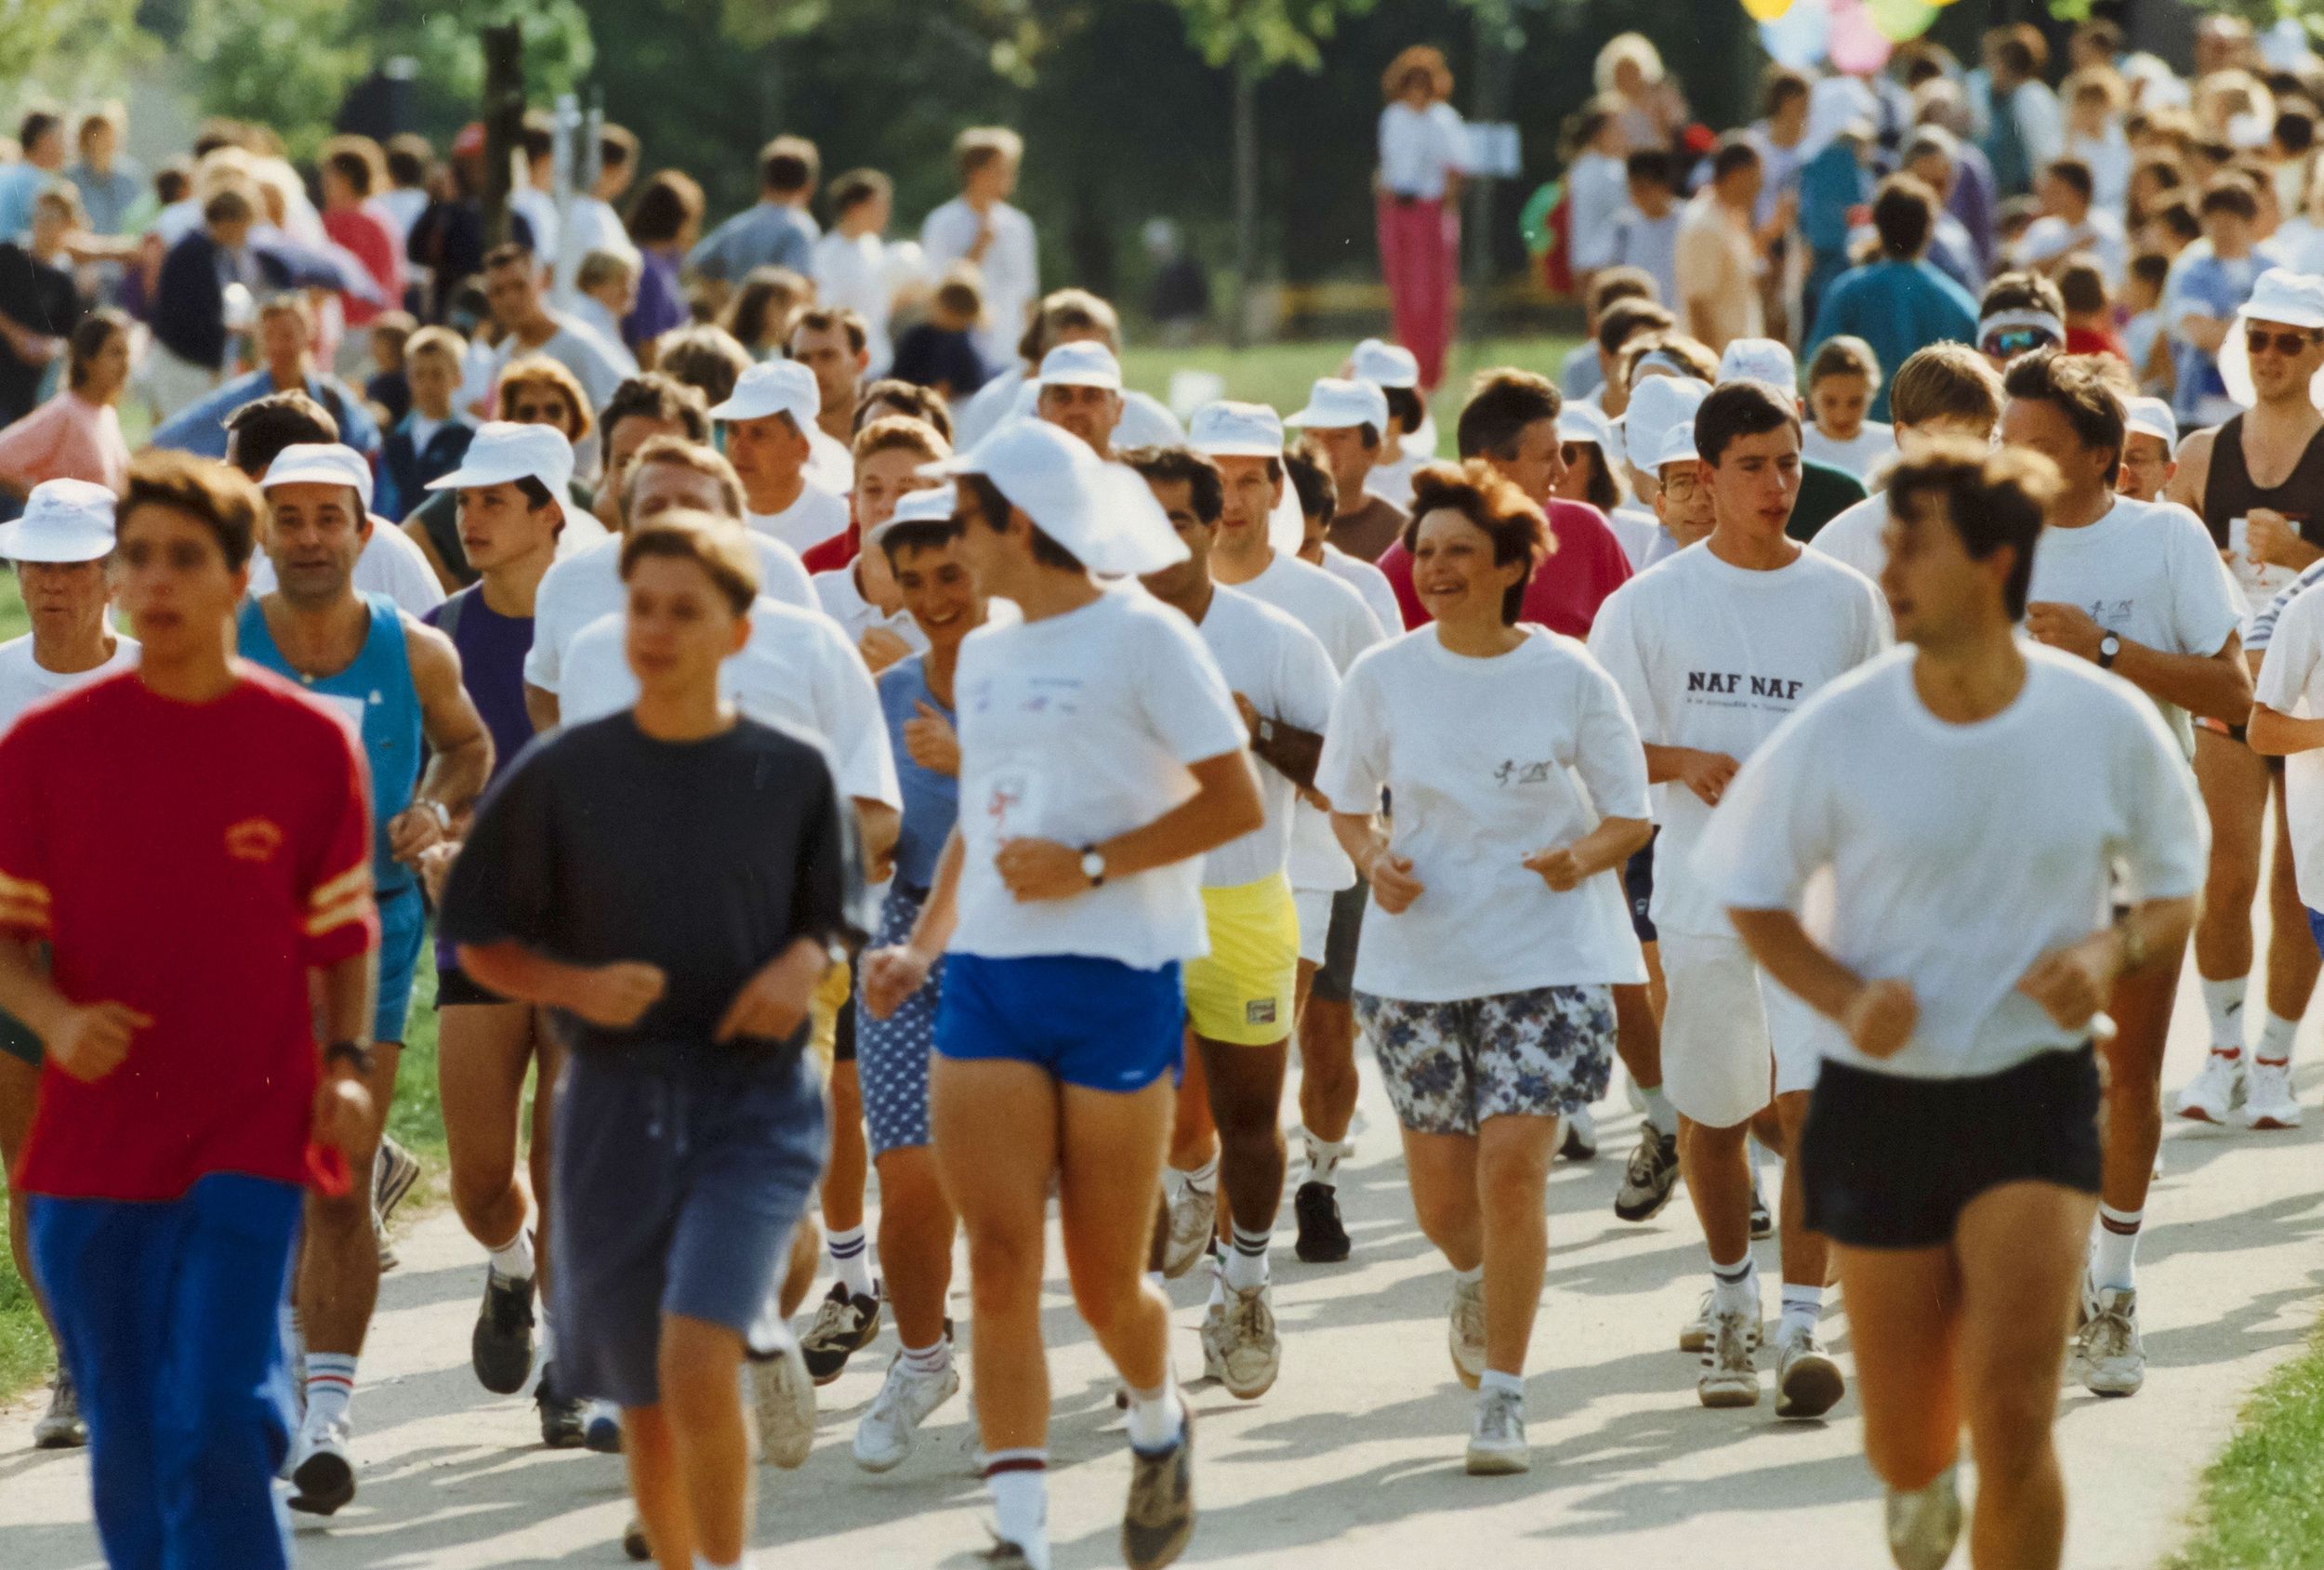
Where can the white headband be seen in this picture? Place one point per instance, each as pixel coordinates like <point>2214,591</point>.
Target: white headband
<point>2021,318</point>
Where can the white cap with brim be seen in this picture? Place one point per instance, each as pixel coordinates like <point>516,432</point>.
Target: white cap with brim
<point>936,505</point>
<point>1334,405</point>
<point>1657,404</point>
<point>1084,364</point>
<point>1102,512</point>
<point>64,520</point>
<point>1578,421</point>
<point>774,386</point>
<point>2152,416</point>
<point>1385,364</point>
<point>503,452</point>
<point>2288,298</point>
<point>1678,446</point>
<point>1228,430</point>
<point>320,463</point>
<point>1760,360</point>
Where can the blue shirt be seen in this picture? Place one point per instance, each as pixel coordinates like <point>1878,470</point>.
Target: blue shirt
<point>1899,308</point>
<point>932,801</point>
<point>200,427</point>
<point>20,183</point>
<point>766,234</point>
<point>2203,286</point>
<point>107,198</point>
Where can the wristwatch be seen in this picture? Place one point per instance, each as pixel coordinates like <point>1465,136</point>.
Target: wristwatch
<point>443,814</point>
<point>1093,866</point>
<point>354,1054</point>
<point>2108,647</point>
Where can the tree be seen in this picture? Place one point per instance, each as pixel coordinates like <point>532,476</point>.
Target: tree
<point>69,46</point>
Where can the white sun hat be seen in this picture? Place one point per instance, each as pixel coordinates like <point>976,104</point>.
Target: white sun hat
<point>2291,300</point>
<point>1228,430</point>
<point>1760,360</point>
<point>1385,364</point>
<point>1578,421</point>
<point>321,463</point>
<point>64,520</point>
<point>2152,416</point>
<point>1083,363</point>
<point>1678,445</point>
<point>1334,405</point>
<point>1657,404</point>
<point>503,450</point>
<point>774,386</point>
<point>1102,512</point>
<point>936,505</point>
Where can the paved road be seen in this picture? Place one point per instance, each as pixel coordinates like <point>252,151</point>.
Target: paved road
<point>1353,1459</point>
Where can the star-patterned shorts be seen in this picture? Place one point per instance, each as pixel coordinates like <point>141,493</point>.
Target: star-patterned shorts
<point>1450,1067</point>
<point>892,1054</point>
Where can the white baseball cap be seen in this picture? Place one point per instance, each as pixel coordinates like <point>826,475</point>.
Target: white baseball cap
<point>1334,405</point>
<point>2152,416</point>
<point>503,450</point>
<point>1228,430</point>
<point>63,520</point>
<point>1578,421</point>
<point>1760,360</point>
<point>774,386</point>
<point>1084,363</point>
<point>935,504</point>
<point>2296,299</point>
<point>1678,445</point>
<point>320,463</point>
<point>1385,364</point>
<point>1102,512</point>
<point>1657,404</point>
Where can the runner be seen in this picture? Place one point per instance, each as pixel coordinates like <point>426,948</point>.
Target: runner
<point>1409,440</point>
<point>399,683</point>
<point>2139,589</point>
<point>1348,421</point>
<point>2150,448</point>
<point>1486,994</point>
<point>1950,1151</point>
<point>1080,392</point>
<point>1947,392</point>
<point>862,595</point>
<point>2261,525</point>
<point>1241,997</point>
<point>672,881</point>
<point>1312,484</point>
<point>1712,648</point>
<point>768,419</point>
<point>61,549</point>
<point>1069,898</point>
<point>183,1101</point>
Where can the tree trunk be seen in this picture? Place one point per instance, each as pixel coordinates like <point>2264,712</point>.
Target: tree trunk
<point>1246,198</point>
<point>504,123</point>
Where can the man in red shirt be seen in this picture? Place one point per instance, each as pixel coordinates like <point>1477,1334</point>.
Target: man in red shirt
<point>1511,422</point>
<point>351,166</point>
<point>183,1105</point>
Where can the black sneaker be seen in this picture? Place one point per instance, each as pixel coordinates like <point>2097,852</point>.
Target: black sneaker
<point>1651,1178</point>
<point>1323,1241</point>
<point>1159,1520</point>
<point>633,1540</point>
<point>1762,1223</point>
<point>564,1419</point>
<point>1004,1555</point>
<point>1581,1141</point>
<point>844,1326</point>
<point>500,1349</point>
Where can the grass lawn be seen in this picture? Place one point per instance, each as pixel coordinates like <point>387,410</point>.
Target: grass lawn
<point>2259,1508</point>
<point>1279,372</point>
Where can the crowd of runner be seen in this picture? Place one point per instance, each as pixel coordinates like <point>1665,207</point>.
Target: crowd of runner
<point>825,721</point>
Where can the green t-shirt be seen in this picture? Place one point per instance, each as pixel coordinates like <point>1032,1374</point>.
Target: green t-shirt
<point>1825,494</point>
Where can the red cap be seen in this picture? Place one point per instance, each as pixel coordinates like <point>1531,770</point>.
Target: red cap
<point>469,144</point>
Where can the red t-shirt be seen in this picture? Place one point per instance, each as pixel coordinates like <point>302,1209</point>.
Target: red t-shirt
<point>838,551</point>
<point>1586,566</point>
<point>2094,340</point>
<point>191,861</point>
<point>373,243</point>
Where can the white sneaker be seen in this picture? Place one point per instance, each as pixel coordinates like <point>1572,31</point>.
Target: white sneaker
<point>2212,1094</point>
<point>1695,1335</point>
<point>1730,1375</point>
<point>1808,1383</point>
<point>1250,1352</point>
<point>1923,1526</point>
<point>323,1474</point>
<point>905,1399</point>
<point>1465,1334</point>
<point>2268,1101</point>
<point>783,1402</point>
<point>1496,1435</point>
<point>1193,1218</point>
<point>2109,1358</point>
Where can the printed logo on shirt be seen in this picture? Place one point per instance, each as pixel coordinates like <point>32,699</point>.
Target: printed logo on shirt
<point>2112,614</point>
<point>1783,689</point>
<point>253,839</point>
<point>1513,772</point>
<point>1260,1012</point>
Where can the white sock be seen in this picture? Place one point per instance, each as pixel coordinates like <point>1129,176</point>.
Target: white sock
<point>1203,1178</point>
<point>1155,1417</point>
<point>1802,1308</point>
<point>2113,1248</point>
<point>929,1360</point>
<point>1659,1112</point>
<point>1470,1277</point>
<point>2222,1001</point>
<point>513,1258</point>
<point>1735,1288</point>
<point>1323,1160</point>
<point>704,1562</point>
<point>1017,1481</point>
<point>544,1338</point>
<point>2275,1039</point>
<point>851,1260</point>
<point>330,1384</point>
<point>1247,1262</point>
<point>1493,1379</point>
<point>1216,1269</point>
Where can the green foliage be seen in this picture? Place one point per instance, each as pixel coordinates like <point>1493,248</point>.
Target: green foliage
<point>1262,35</point>
<point>2259,1509</point>
<point>71,47</point>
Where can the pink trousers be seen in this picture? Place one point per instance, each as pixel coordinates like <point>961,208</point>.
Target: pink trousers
<point>1420,257</point>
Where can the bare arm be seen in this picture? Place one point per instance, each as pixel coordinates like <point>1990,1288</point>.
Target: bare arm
<point>460,748</point>
<point>2273,733</point>
<point>1609,845</point>
<point>2214,686</point>
<point>541,707</point>
<point>2206,333</point>
<point>892,974</point>
<point>876,825</point>
<point>1225,806</point>
<point>2187,486</point>
<point>416,532</point>
<point>1877,1015</point>
<point>613,996</point>
<point>87,1042</point>
<point>1283,746</point>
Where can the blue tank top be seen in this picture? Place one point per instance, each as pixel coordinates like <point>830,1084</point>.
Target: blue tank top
<point>932,801</point>
<point>377,692</point>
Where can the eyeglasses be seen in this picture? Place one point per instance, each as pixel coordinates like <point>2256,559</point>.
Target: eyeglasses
<point>2011,342</point>
<point>2259,340</point>
<point>1681,486</point>
<point>538,414</point>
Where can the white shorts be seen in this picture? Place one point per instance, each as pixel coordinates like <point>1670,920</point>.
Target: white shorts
<point>1729,1031</point>
<point>1314,908</point>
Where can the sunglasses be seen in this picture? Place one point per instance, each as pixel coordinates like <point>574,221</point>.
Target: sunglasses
<point>539,413</point>
<point>2259,341</point>
<point>2011,342</point>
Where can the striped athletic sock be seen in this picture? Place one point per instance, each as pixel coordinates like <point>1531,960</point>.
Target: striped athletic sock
<point>1017,1481</point>
<point>851,1260</point>
<point>2114,1251</point>
<point>1735,1288</point>
<point>1247,1262</point>
<point>330,1384</point>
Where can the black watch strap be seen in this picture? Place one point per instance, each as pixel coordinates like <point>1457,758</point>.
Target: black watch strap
<point>352,1053</point>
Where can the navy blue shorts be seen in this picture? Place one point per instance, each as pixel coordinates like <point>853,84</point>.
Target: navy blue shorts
<point>1098,1024</point>
<point>681,1172</point>
<point>402,927</point>
<point>1638,887</point>
<point>2316,930</point>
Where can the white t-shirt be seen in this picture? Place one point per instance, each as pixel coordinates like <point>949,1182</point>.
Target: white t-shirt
<point>590,224</point>
<point>797,670</point>
<point>844,603</point>
<point>1713,657</point>
<point>578,590</point>
<point>830,466</point>
<point>2100,235</point>
<point>1146,421</point>
<point>863,273</point>
<point>1076,728</point>
<point>994,403</point>
<point>2147,571</point>
<point>2289,684</point>
<point>25,681</point>
<point>1279,666</point>
<point>1854,536</point>
<point>1932,830</point>
<point>1380,595</point>
<point>1336,613</point>
<point>1011,268</point>
<point>1857,455</point>
<point>814,517</point>
<point>389,564</point>
<point>1638,531</point>
<point>1420,147</point>
<point>1488,761</point>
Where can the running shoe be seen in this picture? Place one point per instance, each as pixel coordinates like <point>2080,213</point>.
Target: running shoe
<point>633,1539</point>
<point>844,1326</point>
<point>1004,1555</point>
<point>884,1438</point>
<point>2212,1095</point>
<point>783,1403</point>
<point>1193,1218</point>
<point>1924,1525</point>
<point>2109,1358</point>
<point>2268,1101</point>
<point>1808,1383</point>
<point>1241,1334</point>
<point>1465,1333</point>
<point>322,1480</point>
<point>1763,1221</point>
<point>1580,1142</point>
<point>1730,1375</point>
<point>1323,1239</point>
<point>600,1427</point>
<point>1496,1435</point>
<point>564,1419</point>
<point>61,1427</point>
<point>1651,1178</point>
<point>500,1348</point>
<point>1695,1335</point>
<point>393,1176</point>
<point>1159,1519</point>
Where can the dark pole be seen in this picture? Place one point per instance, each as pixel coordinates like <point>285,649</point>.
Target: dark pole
<point>503,123</point>
<point>1246,193</point>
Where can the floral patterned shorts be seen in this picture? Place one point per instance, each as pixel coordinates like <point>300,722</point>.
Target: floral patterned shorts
<point>1450,1067</point>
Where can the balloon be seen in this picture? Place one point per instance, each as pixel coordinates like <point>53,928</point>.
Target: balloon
<point>1856,43</point>
<point>1900,21</point>
<point>1796,39</point>
<point>1767,10</point>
